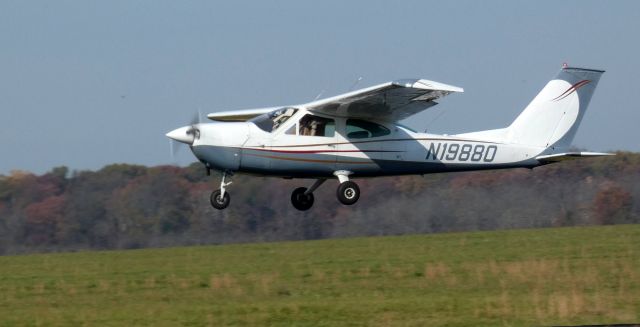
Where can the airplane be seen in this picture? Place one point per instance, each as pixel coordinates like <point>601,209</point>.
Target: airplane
<point>357,135</point>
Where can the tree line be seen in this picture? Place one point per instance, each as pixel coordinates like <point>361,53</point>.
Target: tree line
<point>124,206</point>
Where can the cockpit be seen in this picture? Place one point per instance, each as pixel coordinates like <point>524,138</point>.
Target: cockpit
<point>269,122</point>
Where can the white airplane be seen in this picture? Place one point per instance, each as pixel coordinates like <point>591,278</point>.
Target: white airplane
<point>357,134</point>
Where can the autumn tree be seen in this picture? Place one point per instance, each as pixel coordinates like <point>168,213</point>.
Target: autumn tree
<point>42,219</point>
<point>612,205</point>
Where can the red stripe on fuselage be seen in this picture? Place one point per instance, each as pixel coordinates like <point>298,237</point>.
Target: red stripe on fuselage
<point>318,151</point>
<point>312,160</point>
<point>387,140</point>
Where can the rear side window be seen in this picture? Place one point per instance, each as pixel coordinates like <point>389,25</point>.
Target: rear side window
<point>362,129</point>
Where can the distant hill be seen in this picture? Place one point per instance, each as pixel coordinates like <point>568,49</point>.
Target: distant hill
<point>128,206</point>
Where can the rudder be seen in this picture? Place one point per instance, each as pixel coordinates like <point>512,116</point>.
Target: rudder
<point>552,118</point>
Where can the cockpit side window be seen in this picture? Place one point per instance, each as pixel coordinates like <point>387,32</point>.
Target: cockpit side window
<point>311,125</point>
<point>362,129</point>
<point>269,122</point>
<point>292,130</point>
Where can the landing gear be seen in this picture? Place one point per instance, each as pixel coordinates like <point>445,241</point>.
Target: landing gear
<point>302,198</point>
<point>220,198</point>
<point>348,192</point>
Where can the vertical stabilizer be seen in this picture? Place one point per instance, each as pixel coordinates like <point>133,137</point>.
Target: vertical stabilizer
<point>552,118</point>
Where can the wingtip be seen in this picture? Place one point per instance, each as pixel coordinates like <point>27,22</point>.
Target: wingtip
<point>426,84</point>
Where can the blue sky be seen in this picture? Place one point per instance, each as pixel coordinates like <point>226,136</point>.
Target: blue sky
<point>89,83</point>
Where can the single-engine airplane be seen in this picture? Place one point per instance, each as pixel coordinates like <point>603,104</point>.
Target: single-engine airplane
<point>357,134</point>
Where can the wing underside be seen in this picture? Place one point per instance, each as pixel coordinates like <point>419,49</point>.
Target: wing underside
<point>390,101</point>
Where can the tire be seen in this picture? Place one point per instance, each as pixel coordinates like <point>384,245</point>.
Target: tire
<point>218,202</point>
<point>348,193</point>
<point>301,201</point>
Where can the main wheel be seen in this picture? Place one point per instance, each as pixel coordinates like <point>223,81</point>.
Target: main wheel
<point>218,201</point>
<point>348,193</point>
<point>301,201</point>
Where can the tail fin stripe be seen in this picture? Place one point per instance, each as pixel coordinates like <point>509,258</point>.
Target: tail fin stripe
<point>572,89</point>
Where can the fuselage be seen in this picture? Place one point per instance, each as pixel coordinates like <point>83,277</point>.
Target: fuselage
<point>366,148</point>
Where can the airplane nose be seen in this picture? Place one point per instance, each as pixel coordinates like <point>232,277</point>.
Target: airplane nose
<point>183,134</point>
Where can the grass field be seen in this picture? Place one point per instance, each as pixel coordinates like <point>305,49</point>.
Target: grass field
<point>512,278</point>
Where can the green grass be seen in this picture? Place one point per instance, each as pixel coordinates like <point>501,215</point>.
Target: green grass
<point>512,278</point>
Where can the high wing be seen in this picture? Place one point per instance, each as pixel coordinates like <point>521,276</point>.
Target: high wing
<point>391,101</point>
<point>239,115</point>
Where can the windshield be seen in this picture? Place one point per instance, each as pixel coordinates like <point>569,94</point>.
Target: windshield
<point>269,122</point>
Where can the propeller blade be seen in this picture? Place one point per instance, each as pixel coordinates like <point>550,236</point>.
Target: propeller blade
<point>196,119</point>
<point>195,122</point>
<point>175,147</point>
<point>172,152</point>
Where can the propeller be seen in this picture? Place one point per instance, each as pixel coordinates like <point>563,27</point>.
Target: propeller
<point>184,135</point>
<point>194,126</point>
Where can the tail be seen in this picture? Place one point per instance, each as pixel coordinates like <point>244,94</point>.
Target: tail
<point>552,118</point>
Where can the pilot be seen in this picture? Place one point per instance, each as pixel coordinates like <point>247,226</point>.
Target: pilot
<point>309,127</point>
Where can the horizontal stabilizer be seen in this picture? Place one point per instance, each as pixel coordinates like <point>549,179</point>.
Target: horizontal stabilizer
<point>557,157</point>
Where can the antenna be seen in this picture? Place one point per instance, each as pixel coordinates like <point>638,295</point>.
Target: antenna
<point>355,83</point>
<point>433,120</point>
<point>319,95</point>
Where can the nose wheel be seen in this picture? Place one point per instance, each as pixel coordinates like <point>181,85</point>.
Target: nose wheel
<point>220,198</point>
